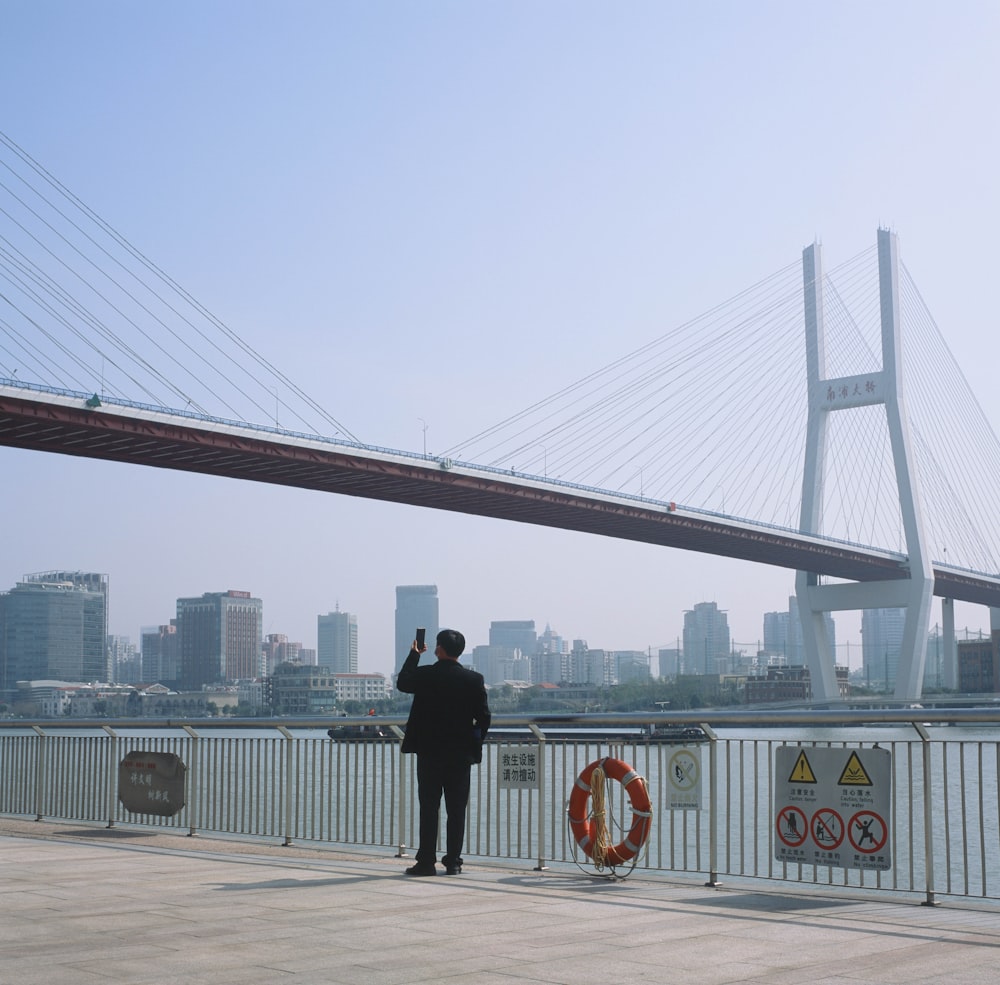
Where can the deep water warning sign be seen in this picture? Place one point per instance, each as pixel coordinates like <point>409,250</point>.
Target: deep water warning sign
<point>832,806</point>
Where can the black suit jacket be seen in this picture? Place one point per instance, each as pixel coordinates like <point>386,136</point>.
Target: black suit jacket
<point>450,714</point>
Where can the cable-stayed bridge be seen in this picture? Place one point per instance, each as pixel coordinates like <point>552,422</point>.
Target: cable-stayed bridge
<point>772,429</point>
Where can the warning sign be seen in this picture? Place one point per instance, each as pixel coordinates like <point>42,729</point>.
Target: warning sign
<point>854,773</point>
<point>868,832</point>
<point>792,827</point>
<point>684,780</point>
<point>827,828</point>
<point>831,806</point>
<point>802,771</point>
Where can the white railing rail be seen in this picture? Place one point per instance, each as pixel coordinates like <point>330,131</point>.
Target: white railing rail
<point>287,781</point>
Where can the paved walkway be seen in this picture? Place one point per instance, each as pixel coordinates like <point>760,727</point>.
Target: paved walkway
<point>81,905</point>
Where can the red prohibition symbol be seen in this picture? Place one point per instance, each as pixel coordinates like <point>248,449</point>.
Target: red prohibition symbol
<point>792,826</point>
<point>827,829</point>
<point>867,831</point>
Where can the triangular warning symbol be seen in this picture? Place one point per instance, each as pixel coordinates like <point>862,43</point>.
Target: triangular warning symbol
<point>854,774</point>
<point>802,771</point>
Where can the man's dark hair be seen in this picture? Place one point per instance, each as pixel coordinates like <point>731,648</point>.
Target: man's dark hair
<point>451,641</point>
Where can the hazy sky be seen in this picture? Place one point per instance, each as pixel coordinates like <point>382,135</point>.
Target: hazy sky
<point>432,213</point>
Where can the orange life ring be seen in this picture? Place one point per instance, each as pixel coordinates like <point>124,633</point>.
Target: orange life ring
<point>581,822</point>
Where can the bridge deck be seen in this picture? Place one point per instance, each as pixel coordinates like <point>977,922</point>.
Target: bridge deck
<point>165,441</point>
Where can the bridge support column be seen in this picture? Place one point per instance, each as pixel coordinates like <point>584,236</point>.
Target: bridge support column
<point>949,658</point>
<point>827,395</point>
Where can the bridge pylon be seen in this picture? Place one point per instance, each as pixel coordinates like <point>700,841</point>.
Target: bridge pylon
<point>843,394</point>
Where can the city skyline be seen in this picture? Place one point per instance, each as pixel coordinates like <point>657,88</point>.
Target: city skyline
<point>347,638</point>
<point>426,241</point>
<point>216,639</point>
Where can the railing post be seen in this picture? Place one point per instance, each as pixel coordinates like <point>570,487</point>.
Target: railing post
<point>540,736</point>
<point>288,785</point>
<point>193,781</point>
<point>111,774</point>
<point>401,820</point>
<point>713,806</point>
<point>39,771</point>
<point>925,742</point>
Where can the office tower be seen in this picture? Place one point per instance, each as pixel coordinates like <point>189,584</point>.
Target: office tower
<point>548,664</point>
<point>706,639</point>
<point>337,642</point>
<point>587,666</point>
<point>576,672</point>
<point>776,636</point>
<point>881,638</point>
<point>784,637</point>
<point>934,665</point>
<point>633,666</point>
<point>220,638</point>
<point>518,641</point>
<point>669,661</point>
<point>277,649</point>
<point>53,625</point>
<point>126,664</point>
<point>160,655</point>
<point>498,664</point>
<point>416,605</point>
<point>518,633</point>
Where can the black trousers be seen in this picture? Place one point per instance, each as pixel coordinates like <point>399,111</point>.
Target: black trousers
<point>435,778</point>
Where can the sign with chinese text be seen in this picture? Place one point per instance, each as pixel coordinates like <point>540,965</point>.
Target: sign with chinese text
<point>831,806</point>
<point>518,767</point>
<point>152,783</point>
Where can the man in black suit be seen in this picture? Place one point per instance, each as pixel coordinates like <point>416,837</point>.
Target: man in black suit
<point>448,721</point>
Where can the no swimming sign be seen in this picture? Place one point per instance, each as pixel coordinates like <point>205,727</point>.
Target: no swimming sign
<point>832,806</point>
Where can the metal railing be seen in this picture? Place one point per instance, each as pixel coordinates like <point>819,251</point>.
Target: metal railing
<point>288,781</point>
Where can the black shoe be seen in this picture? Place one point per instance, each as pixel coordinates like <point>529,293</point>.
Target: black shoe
<point>422,869</point>
<point>453,869</point>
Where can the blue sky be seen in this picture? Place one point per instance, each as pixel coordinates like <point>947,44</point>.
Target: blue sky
<point>433,213</point>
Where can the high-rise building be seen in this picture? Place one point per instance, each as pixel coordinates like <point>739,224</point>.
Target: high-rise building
<point>496,663</point>
<point>783,634</point>
<point>160,655</point>
<point>337,642</point>
<point>776,637</point>
<point>881,639</point>
<point>587,666</point>
<point>53,625</point>
<point>669,661</point>
<point>519,633</point>
<point>220,638</point>
<point>126,664</point>
<point>416,605</point>
<point>278,649</point>
<point>633,666</point>
<point>706,639</point>
<point>548,665</point>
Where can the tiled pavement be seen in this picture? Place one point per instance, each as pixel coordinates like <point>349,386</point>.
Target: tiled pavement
<point>81,905</point>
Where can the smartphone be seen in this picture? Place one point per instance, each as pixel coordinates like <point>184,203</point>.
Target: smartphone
<point>421,633</point>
